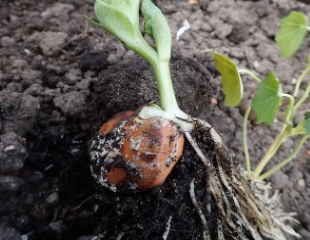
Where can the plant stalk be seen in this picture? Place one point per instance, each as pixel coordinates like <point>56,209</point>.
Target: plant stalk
<point>286,161</point>
<point>272,150</point>
<point>168,101</point>
<point>245,140</point>
<point>300,79</point>
<point>250,73</point>
<point>302,99</point>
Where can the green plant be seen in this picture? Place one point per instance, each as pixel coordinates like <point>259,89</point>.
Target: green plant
<point>120,158</point>
<point>162,123</point>
<point>292,32</point>
<point>121,18</point>
<point>270,97</point>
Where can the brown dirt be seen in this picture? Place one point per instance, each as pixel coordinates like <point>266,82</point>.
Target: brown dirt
<point>60,79</point>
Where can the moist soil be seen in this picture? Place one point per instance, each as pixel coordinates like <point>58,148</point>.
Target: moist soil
<point>60,79</point>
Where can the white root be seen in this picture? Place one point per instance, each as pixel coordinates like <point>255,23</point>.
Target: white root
<point>206,235</point>
<point>168,227</point>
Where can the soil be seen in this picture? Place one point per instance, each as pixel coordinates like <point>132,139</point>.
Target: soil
<point>60,79</point>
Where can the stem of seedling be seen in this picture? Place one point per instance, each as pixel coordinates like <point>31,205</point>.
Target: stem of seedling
<point>282,136</point>
<point>250,73</point>
<point>168,101</point>
<point>300,79</point>
<point>302,99</point>
<point>245,123</point>
<point>282,164</point>
<point>245,140</point>
<point>290,109</point>
<point>285,132</point>
<point>286,129</point>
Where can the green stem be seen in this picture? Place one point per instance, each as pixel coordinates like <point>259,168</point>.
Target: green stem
<point>272,150</point>
<point>250,73</point>
<point>285,133</point>
<point>286,161</point>
<point>302,99</point>
<point>290,108</point>
<point>168,99</point>
<point>300,79</point>
<point>245,140</point>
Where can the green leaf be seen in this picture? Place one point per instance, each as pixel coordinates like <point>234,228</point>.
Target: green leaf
<point>307,123</point>
<point>303,128</point>
<point>267,100</point>
<point>120,17</point>
<point>156,25</point>
<point>292,32</point>
<point>230,78</point>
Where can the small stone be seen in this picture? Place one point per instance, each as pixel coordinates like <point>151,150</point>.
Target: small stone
<point>7,41</point>
<point>84,84</point>
<point>30,76</point>
<point>14,87</point>
<point>34,90</point>
<point>58,10</point>
<point>301,184</point>
<point>52,42</point>
<point>73,76</point>
<point>8,233</point>
<point>19,63</point>
<point>71,103</point>
<point>10,183</point>
<point>58,226</point>
<point>52,198</point>
<point>280,180</point>
<point>12,152</point>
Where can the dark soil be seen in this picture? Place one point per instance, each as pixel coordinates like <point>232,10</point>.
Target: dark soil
<point>60,79</point>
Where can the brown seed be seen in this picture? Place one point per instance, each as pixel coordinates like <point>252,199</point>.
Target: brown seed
<point>135,152</point>
<point>160,147</point>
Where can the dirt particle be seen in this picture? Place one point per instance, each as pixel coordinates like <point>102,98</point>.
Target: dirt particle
<point>12,152</point>
<point>7,41</point>
<point>71,103</point>
<point>58,10</point>
<point>8,233</point>
<point>52,42</point>
<point>10,183</point>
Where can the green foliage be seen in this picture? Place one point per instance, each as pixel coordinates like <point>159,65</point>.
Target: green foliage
<point>292,32</point>
<point>231,80</point>
<point>267,99</point>
<point>120,17</point>
<point>307,123</point>
<point>156,25</point>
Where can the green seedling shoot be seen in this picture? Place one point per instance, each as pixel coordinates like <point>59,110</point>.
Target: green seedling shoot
<point>270,97</point>
<point>242,211</point>
<point>121,18</point>
<point>293,30</point>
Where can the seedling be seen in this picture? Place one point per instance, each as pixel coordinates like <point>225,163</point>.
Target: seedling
<point>270,96</point>
<point>292,33</point>
<point>135,161</point>
<point>138,150</point>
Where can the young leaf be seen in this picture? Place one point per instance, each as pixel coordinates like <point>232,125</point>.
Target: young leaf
<point>231,80</point>
<point>120,17</point>
<point>303,127</point>
<point>267,100</point>
<point>156,25</point>
<point>292,32</point>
